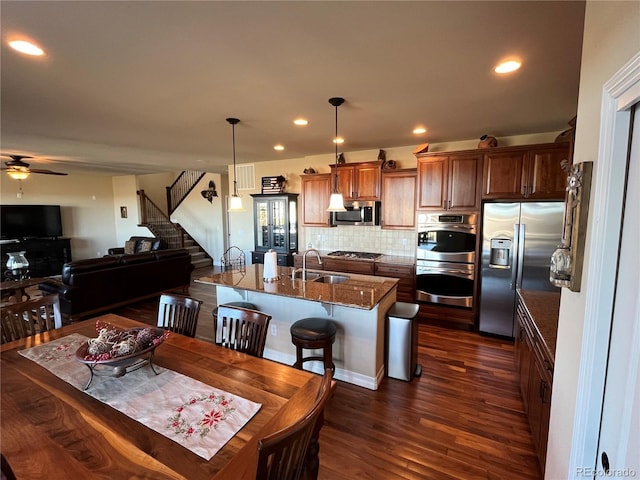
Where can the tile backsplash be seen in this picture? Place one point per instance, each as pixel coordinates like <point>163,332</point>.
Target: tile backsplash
<point>361,239</point>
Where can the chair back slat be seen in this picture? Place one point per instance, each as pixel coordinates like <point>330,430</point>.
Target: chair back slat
<point>241,329</point>
<point>179,313</point>
<point>28,318</point>
<point>282,455</point>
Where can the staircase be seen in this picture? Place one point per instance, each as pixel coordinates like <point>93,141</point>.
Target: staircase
<point>199,258</point>
<point>176,237</point>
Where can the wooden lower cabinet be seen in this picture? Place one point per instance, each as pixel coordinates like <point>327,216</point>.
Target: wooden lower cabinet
<point>406,274</point>
<point>535,371</point>
<point>282,259</point>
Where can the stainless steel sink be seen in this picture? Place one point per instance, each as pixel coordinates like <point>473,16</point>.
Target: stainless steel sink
<point>331,278</point>
<point>311,276</point>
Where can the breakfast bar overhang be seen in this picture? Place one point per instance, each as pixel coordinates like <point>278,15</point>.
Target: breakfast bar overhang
<point>358,306</point>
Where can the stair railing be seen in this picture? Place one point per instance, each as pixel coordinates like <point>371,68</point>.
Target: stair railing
<point>181,188</point>
<point>159,223</point>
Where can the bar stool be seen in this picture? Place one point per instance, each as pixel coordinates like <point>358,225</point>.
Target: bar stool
<point>312,333</point>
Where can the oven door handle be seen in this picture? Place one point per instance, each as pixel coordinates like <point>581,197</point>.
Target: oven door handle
<point>445,271</point>
<point>445,227</point>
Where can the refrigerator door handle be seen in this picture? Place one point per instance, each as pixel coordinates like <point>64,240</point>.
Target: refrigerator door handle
<point>521,236</point>
<point>514,258</point>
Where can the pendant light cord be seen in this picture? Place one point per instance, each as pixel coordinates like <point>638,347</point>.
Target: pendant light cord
<point>233,122</point>
<point>335,139</point>
<point>336,102</point>
<point>233,143</point>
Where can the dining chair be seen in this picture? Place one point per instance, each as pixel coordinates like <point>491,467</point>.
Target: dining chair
<point>28,318</point>
<point>179,313</point>
<point>241,329</point>
<point>6,472</point>
<point>284,455</point>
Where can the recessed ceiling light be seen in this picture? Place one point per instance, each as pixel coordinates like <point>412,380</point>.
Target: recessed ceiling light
<point>27,48</point>
<point>508,66</point>
<point>338,140</point>
<point>419,130</point>
<point>301,121</point>
<point>278,147</point>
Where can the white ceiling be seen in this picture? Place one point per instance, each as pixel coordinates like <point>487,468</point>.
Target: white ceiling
<point>145,86</point>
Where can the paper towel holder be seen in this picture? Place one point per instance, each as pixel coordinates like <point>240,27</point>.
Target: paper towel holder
<point>270,270</point>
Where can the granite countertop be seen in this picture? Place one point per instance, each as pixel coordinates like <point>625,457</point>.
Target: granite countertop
<point>359,291</point>
<point>543,308</point>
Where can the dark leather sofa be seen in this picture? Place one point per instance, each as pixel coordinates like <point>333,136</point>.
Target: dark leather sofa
<point>139,245</point>
<point>96,285</point>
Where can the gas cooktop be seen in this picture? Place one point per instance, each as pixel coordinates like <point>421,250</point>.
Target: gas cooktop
<point>360,255</point>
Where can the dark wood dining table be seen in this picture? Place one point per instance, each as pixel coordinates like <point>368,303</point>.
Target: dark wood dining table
<point>50,429</point>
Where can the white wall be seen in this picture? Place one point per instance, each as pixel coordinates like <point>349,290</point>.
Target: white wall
<point>203,220</point>
<point>611,38</point>
<point>124,195</point>
<point>155,187</point>
<point>86,204</point>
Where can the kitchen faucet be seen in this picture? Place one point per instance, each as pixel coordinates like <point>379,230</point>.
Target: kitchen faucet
<point>304,263</point>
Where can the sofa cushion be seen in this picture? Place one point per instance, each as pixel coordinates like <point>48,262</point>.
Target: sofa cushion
<point>135,258</point>
<point>130,247</point>
<point>171,252</point>
<point>145,245</point>
<point>87,265</point>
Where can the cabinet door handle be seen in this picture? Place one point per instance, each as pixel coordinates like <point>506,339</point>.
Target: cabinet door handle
<point>543,390</point>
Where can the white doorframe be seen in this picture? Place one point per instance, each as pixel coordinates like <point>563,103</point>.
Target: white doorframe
<point>619,94</point>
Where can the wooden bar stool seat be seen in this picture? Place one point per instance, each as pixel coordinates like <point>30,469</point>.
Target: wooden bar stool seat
<point>311,333</point>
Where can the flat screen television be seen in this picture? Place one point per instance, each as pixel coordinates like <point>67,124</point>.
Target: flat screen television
<point>30,221</point>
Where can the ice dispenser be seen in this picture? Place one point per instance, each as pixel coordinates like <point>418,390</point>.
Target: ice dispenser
<point>500,253</point>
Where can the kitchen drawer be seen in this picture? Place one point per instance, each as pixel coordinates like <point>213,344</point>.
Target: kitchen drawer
<point>406,274</point>
<point>349,266</point>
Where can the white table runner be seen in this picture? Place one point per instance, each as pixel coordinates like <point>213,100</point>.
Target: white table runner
<point>197,416</point>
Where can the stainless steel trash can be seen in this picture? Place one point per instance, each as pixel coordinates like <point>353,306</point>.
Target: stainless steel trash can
<point>402,341</point>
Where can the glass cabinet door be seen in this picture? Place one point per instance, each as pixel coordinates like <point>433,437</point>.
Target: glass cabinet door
<point>261,209</point>
<point>293,226</point>
<point>278,224</point>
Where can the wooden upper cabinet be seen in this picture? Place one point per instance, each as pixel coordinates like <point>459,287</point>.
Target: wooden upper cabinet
<point>359,181</point>
<point>316,190</point>
<point>399,199</point>
<point>449,182</point>
<point>533,172</point>
<point>432,182</point>
<point>546,178</point>
<point>504,174</point>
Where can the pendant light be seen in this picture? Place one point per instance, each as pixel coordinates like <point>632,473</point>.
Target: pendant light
<point>235,202</point>
<point>336,201</point>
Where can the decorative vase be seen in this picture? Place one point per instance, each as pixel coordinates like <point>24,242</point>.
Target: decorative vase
<point>560,269</point>
<point>17,266</point>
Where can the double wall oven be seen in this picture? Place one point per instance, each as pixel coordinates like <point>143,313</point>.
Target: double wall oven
<point>445,258</point>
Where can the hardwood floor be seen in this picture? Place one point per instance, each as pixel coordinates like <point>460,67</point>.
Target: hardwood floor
<point>462,419</point>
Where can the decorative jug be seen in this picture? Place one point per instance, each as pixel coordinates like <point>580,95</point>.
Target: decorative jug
<point>17,266</point>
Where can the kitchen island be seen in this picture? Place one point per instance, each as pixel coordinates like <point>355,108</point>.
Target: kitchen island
<point>358,306</point>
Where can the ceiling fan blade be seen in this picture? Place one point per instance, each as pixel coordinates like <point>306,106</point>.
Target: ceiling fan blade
<point>46,172</point>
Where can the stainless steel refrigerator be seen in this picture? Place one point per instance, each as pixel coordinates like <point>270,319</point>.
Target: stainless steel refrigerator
<point>518,240</point>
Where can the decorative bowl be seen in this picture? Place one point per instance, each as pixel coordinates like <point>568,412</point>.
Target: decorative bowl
<point>119,365</point>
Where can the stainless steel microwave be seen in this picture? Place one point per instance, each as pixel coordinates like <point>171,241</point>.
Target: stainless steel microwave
<point>358,213</point>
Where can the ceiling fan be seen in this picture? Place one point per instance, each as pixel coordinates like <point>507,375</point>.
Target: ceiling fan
<point>17,169</point>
